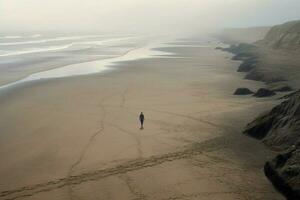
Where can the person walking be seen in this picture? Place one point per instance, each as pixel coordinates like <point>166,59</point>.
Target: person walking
<point>142,119</point>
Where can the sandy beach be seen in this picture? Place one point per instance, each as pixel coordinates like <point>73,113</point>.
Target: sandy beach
<point>79,138</point>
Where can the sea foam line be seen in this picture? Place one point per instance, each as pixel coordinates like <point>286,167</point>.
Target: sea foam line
<point>92,67</point>
<point>53,48</point>
<point>55,40</point>
<point>56,48</point>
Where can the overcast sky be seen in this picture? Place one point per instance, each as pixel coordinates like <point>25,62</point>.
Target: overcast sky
<point>143,15</point>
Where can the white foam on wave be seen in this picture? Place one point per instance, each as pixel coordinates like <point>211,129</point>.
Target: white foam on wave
<point>62,47</point>
<point>12,37</point>
<point>19,37</point>
<point>102,42</point>
<point>40,50</point>
<point>56,39</point>
<point>36,36</point>
<point>41,41</point>
<point>96,66</point>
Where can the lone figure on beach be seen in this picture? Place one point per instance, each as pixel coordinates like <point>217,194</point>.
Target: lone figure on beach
<point>142,118</point>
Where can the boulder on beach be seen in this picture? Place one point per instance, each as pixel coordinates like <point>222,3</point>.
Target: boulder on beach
<point>263,92</point>
<point>243,91</point>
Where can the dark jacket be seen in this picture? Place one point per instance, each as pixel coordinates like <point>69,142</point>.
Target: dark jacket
<point>142,117</point>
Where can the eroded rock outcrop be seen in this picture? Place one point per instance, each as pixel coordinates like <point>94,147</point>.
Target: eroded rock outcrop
<point>284,172</point>
<point>243,91</point>
<point>273,59</point>
<point>242,51</point>
<point>264,76</point>
<point>280,87</point>
<point>248,64</point>
<point>280,129</point>
<point>263,92</point>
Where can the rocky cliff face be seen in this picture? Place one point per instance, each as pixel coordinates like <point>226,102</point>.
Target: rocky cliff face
<point>284,172</point>
<point>253,64</point>
<point>280,129</point>
<point>275,60</point>
<point>285,36</point>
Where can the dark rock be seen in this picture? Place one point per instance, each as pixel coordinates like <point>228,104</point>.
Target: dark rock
<point>284,172</point>
<point>280,129</point>
<point>242,91</point>
<point>219,48</point>
<point>247,65</point>
<point>242,56</point>
<point>260,127</point>
<point>264,76</point>
<point>240,48</point>
<point>283,89</point>
<point>263,92</point>
<point>280,87</point>
<point>242,51</point>
<point>288,96</point>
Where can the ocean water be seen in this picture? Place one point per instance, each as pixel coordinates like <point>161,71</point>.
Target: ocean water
<point>32,57</point>
<point>12,46</point>
<point>37,56</point>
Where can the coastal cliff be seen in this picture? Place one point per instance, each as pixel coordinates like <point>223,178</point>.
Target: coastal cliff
<point>275,60</point>
<point>280,129</point>
<point>285,36</point>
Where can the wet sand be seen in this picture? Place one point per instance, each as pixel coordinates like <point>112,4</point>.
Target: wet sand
<point>79,138</point>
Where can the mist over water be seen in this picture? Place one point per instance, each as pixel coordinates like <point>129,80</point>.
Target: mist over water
<point>43,35</point>
<point>75,76</point>
<point>19,45</point>
<point>26,58</point>
<point>42,56</point>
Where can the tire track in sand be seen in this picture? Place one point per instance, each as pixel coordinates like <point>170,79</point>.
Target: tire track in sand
<point>137,164</point>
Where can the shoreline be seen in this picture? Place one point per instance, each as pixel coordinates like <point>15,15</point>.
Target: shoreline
<point>14,68</point>
<point>93,66</point>
<point>87,124</point>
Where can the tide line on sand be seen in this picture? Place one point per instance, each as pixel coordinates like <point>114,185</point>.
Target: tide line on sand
<point>93,67</point>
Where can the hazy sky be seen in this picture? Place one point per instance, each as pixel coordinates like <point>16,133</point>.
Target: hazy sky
<point>143,15</point>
